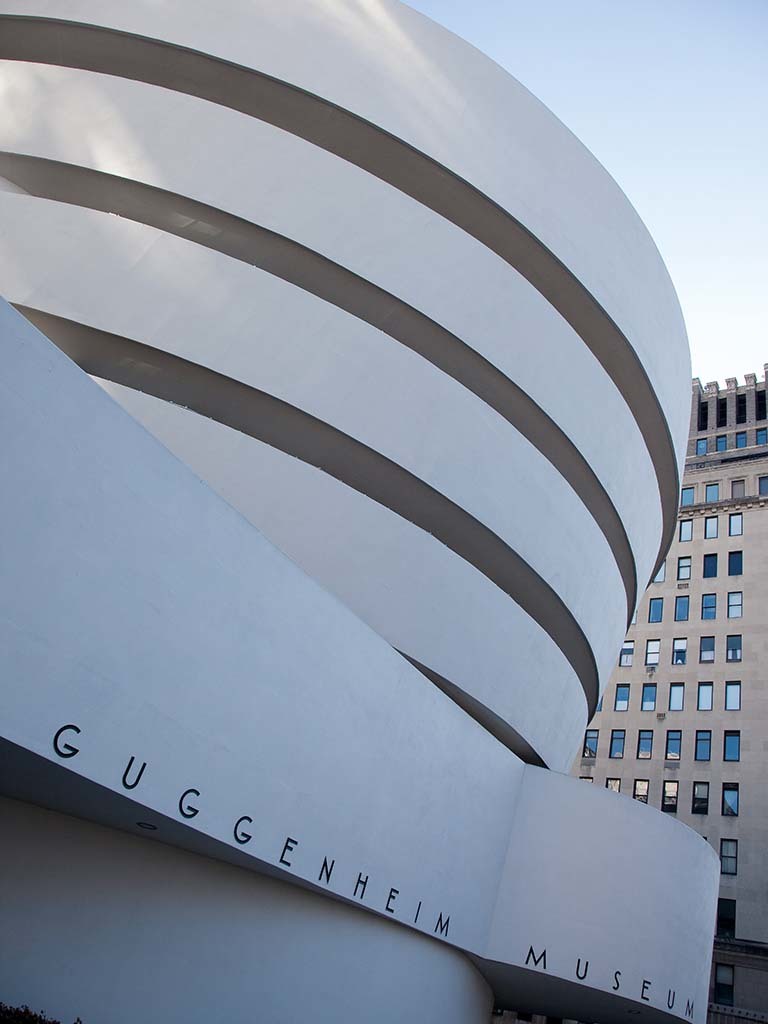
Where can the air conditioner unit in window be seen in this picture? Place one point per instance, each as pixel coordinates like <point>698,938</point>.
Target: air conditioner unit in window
<point>661,715</point>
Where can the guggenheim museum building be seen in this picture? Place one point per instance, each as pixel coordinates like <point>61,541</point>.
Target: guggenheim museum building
<point>342,405</point>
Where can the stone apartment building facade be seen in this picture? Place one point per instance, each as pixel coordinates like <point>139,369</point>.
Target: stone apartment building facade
<point>683,724</point>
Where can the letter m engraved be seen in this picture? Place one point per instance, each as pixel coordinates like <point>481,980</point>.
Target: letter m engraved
<point>689,1009</point>
<point>442,925</point>
<point>540,959</point>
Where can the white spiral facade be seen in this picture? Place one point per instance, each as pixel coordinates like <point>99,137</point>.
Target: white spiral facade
<point>384,305</point>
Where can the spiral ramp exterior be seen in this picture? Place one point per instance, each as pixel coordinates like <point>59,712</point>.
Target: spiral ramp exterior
<point>298,641</point>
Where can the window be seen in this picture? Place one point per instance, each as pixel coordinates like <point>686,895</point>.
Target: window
<point>613,784</point>
<point>707,648</point>
<point>733,648</point>
<point>761,436</point>
<point>722,412</point>
<point>709,606</point>
<point>724,972</point>
<point>676,695</point>
<point>735,604</point>
<point>726,919</point>
<point>621,701</point>
<point>599,704</point>
<point>712,492</point>
<point>674,745</point>
<point>703,415</point>
<point>649,697</point>
<point>729,856</point>
<point>741,439</point>
<point>732,746</point>
<point>633,620</point>
<point>710,566</point>
<point>661,574</point>
<point>655,609</point>
<point>679,650</point>
<point>733,696</point>
<point>704,697</point>
<point>710,528</point>
<point>759,404</point>
<point>686,529</point>
<point>586,778</point>
<point>669,797</point>
<point>686,495</point>
<point>735,524</point>
<point>730,803</point>
<point>684,567</point>
<point>617,743</point>
<point>645,744</point>
<point>721,441</point>
<point>627,653</point>
<point>735,563</point>
<point>652,648</point>
<point>737,488</point>
<point>741,408</point>
<point>700,802</point>
<point>701,446</point>
<point>762,486</point>
<point>640,790</point>
<point>703,745</point>
<point>590,743</point>
<point>681,608</point>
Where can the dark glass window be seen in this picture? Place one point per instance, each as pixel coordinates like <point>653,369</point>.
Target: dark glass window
<point>701,446</point>
<point>679,650</point>
<point>707,648</point>
<point>703,417</point>
<point>760,404</point>
<point>590,743</point>
<point>762,485</point>
<point>681,608</point>
<point>741,408</point>
<point>645,744</point>
<point>640,790</point>
<point>710,566</point>
<point>735,563</point>
<point>621,700</point>
<point>700,804</point>
<point>669,797</point>
<point>686,495</point>
<point>709,606</point>
<point>721,443</point>
<point>655,609</point>
<point>741,439</point>
<point>724,976</point>
<point>733,648</point>
<point>733,696</point>
<point>722,412</point>
<point>627,653</point>
<point>726,919</point>
<point>730,805</point>
<point>761,436</point>
<point>649,697</point>
<point>703,745</point>
<point>674,745</point>
<point>617,743</point>
<point>729,856</point>
<point>704,702</point>
<point>732,746</point>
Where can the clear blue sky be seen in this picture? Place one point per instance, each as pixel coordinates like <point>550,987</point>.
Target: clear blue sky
<point>672,97</point>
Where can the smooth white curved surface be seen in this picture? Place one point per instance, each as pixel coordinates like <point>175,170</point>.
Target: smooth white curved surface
<point>258,694</point>
<point>298,190</point>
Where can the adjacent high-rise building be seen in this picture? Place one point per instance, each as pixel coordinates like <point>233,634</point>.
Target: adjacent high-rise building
<point>684,721</point>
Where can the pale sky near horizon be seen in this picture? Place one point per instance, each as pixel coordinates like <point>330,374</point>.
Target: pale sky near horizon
<point>672,97</point>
